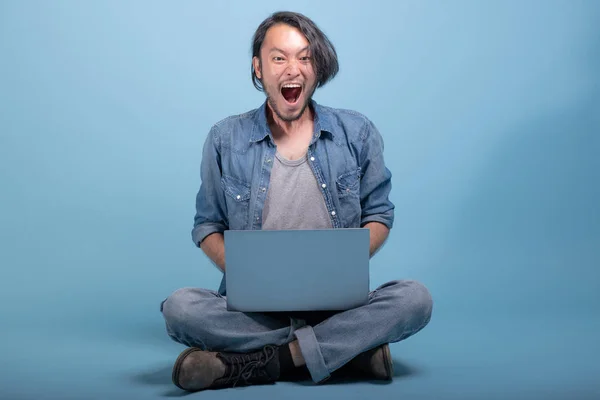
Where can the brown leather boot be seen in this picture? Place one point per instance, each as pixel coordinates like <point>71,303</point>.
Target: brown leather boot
<point>196,369</point>
<point>376,363</point>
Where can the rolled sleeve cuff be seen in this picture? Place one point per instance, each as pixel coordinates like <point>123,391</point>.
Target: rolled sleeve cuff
<point>386,219</point>
<point>203,230</point>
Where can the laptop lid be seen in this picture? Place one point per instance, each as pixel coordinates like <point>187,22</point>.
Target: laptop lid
<point>297,270</point>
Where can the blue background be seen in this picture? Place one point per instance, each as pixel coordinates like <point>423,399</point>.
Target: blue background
<point>490,112</point>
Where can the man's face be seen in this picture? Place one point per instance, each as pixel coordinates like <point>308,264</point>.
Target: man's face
<point>286,71</point>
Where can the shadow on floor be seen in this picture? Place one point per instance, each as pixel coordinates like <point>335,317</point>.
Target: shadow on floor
<point>160,376</point>
<point>347,377</point>
<point>157,376</point>
<point>402,370</point>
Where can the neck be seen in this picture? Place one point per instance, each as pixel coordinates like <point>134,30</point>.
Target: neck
<point>283,128</point>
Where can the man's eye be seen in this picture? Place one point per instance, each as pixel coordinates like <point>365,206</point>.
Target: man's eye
<point>307,58</point>
<point>278,58</point>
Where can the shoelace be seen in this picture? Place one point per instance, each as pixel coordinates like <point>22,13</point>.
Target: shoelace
<point>250,366</point>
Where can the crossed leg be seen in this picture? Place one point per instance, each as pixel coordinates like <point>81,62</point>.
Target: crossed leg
<point>396,310</point>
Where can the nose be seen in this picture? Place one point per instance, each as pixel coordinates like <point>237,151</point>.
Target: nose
<point>292,68</point>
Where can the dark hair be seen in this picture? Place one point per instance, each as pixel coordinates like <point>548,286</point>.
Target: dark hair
<point>324,56</point>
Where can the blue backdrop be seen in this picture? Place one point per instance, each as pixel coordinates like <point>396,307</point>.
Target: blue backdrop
<point>490,112</point>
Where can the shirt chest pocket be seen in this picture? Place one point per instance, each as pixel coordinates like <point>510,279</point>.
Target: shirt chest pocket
<point>348,189</point>
<point>237,198</point>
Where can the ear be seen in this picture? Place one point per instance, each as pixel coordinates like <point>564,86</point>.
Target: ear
<point>256,65</point>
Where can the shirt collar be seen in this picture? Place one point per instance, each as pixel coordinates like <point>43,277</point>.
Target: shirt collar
<point>323,123</point>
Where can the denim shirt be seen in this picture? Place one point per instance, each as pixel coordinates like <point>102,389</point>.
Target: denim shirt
<point>345,154</point>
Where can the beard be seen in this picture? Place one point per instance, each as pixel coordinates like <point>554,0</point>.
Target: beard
<point>271,99</point>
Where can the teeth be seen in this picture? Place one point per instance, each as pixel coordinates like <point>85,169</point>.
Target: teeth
<point>291,85</point>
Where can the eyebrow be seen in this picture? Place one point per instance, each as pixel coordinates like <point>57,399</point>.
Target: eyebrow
<point>282,51</point>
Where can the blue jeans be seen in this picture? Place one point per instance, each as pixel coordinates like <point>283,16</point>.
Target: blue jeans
<point>396,310</point>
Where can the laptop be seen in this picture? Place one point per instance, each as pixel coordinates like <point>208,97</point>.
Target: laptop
<point>296,270</point>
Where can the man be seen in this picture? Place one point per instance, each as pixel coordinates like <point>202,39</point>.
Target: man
<point>290,164</point>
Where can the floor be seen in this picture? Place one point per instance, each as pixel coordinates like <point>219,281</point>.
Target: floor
<point>109,355</point>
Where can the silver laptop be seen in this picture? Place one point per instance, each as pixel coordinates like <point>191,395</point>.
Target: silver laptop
<point>296,270</point>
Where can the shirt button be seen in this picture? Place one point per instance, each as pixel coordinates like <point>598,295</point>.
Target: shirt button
<point>239,197</point>
<point>312,159</point>
<point>333,213</point>
<point>268,160</point>
<point>324,186</point>
<point>263,189</point>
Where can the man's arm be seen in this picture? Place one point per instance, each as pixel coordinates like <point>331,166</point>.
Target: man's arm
<point>376,184</point>
<point>210,220</point>
<point>214,248</point>
<point>378,233</point>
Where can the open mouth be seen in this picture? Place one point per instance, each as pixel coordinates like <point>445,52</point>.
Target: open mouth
<point>291,92</point>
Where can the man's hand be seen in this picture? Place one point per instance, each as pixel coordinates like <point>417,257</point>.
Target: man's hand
<point>214,247</point>
<point>378,235</point>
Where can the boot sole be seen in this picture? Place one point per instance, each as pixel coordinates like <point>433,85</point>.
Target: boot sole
<point>388,362</point>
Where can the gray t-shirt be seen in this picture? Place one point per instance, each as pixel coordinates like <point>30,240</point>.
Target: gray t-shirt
<point>294,199</point>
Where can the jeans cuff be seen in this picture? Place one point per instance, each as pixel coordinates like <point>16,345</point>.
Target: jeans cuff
<point>312,354</point>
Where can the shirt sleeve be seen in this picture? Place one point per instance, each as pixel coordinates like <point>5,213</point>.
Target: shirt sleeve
<point>211,209</point>
<point>376,181</point>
